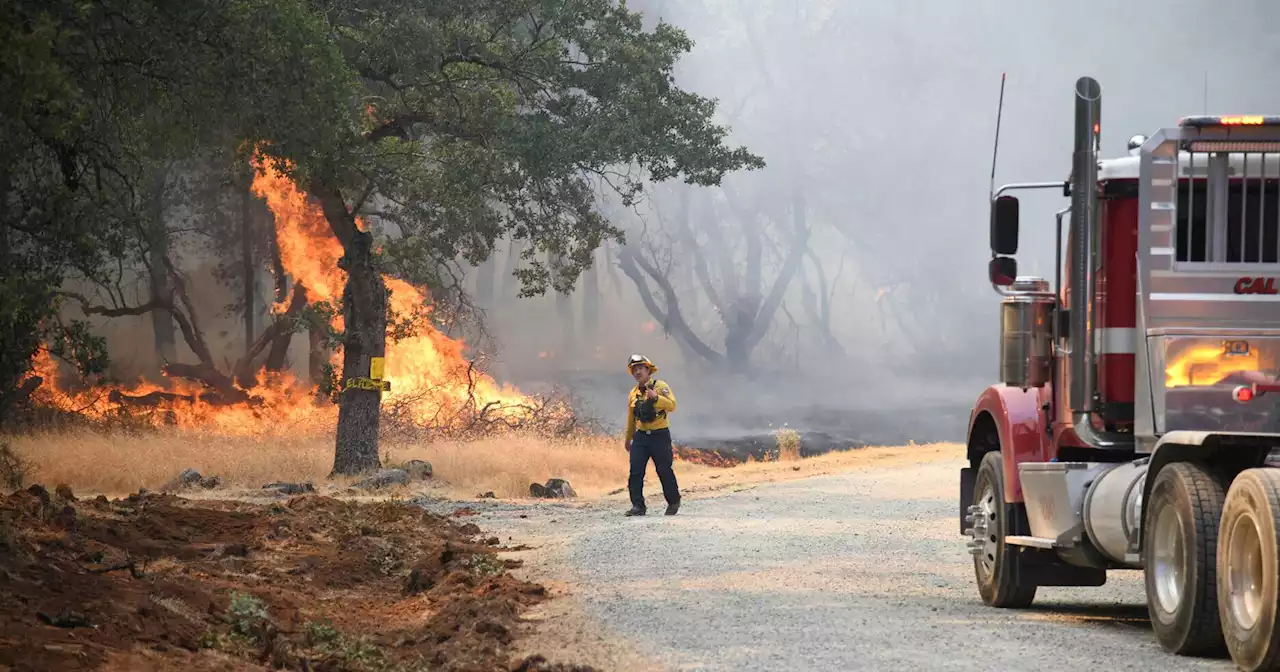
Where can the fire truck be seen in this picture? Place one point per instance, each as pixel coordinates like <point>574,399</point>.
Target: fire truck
<point>1139,397</point>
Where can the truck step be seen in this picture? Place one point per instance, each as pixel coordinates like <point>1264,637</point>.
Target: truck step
<point>1034,542</point>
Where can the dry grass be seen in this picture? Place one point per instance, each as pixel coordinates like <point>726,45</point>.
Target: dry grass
<point>119,464</point>
<point>116,464</point>
<point>594,466</point>
<point>788,445</point>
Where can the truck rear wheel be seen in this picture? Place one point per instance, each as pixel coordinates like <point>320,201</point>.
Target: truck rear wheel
<point>1248,575</point>
<point>1179,552</point>
<point>993,560</point>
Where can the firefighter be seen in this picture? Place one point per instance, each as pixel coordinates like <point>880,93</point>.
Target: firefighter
<point>649,435</point>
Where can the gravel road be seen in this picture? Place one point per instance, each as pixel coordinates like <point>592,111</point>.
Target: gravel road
<point>859,571</point>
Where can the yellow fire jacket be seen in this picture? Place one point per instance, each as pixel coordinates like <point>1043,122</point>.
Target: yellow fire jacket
<point>665,405</point>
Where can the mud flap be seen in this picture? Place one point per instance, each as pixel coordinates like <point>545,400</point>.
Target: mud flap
<point>968,478</point>
<point>1041,567</point>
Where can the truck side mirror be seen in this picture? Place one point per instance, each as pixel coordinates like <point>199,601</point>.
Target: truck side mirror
<point>1004,225</point>
<point>1002,271</point>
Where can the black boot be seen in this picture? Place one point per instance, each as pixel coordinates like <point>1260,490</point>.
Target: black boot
<point>635,511</point>
<point>673,507</point>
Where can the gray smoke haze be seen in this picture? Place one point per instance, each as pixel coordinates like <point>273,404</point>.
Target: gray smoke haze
<point>876,120</point>
<point>883,115</point>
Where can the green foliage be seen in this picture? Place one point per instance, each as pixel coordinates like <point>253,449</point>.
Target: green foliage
<point>100,98</point>
<point>447,124</point>
<point>323,642</point>
<point>248,616</point>
<point>505,117</point>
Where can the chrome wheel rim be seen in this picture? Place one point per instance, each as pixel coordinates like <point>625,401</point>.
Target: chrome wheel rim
<point>1244,571</point>
<point>1168,568</point>
<point>985,534</point>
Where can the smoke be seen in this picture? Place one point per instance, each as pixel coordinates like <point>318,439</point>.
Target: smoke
<point>877,121</point>
<point>884,114</point>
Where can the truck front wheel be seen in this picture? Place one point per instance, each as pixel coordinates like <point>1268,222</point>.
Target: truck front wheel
<point>1179,552</point>
<point>993,560</point>
<point>1248,576</point>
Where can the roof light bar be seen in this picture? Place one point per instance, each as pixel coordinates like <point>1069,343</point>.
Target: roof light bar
<point>1210,121</point>
<point>1241,146</point>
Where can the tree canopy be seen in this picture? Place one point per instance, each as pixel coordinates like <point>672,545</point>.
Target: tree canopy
<point>444,124</point>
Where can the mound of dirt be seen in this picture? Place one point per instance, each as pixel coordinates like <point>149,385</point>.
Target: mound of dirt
<point>157,582</point>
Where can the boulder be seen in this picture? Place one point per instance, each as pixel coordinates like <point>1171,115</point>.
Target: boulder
<point>558,488</point>
<point>418,470</point>
<point>384,479</point>
<point>290,488</point>
<point>190,478</point>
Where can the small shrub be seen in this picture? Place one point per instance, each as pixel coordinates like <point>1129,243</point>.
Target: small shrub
<point>341,652</point>
<point>788,444</point>
<point>483,564</point>
<point>248,616</point>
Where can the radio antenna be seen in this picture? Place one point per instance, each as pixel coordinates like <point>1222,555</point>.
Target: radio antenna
<point>994,150</point>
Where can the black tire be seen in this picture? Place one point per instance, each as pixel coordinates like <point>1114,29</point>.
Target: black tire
<point>1179,554</point>
<point>1249,569</point>
<point>995,568</point>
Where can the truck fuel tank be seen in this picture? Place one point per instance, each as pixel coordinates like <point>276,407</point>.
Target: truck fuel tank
<point>1083,504</point>
<point>1113,511</point>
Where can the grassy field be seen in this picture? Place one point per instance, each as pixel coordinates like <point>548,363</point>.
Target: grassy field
<point>115,465</point>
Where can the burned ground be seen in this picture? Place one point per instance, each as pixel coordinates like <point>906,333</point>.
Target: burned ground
<point>160,582</point>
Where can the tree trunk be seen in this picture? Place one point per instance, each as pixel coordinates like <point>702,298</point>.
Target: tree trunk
<point>157,249</point>
<point>279,351</point>
<point>246,260</point>
<point>365,312</point>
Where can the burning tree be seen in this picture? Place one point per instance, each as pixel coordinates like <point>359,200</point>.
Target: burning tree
<point>403,136</point>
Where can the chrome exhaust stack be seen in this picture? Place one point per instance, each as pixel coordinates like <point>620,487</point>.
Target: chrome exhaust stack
<point>1084,229</point>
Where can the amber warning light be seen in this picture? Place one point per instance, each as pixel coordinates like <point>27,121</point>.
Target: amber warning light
<point>1205,121</point>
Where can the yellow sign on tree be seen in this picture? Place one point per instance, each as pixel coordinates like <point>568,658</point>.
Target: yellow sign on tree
<point>377,366</point>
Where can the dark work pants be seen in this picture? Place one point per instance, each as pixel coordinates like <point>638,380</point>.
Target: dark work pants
<point>654,446</point>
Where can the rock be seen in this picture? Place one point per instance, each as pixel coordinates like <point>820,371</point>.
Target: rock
<point>558,488</point>
<point>65,619</point>
<point>236,550</point>
<point>64,491</point>
<point>418,470</point>
<point>186,479</point>
<point>210,483</point>
<point>290,488</point>
<point>384,479</point>
<point>487,495</point>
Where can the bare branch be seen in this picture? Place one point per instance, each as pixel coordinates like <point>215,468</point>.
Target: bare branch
<point>672,319</point>
<point>121,311</point>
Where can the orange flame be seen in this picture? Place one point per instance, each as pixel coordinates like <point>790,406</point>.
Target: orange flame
<point>427,364</point>
<point>1206,364</point>
<point>432,382</point>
